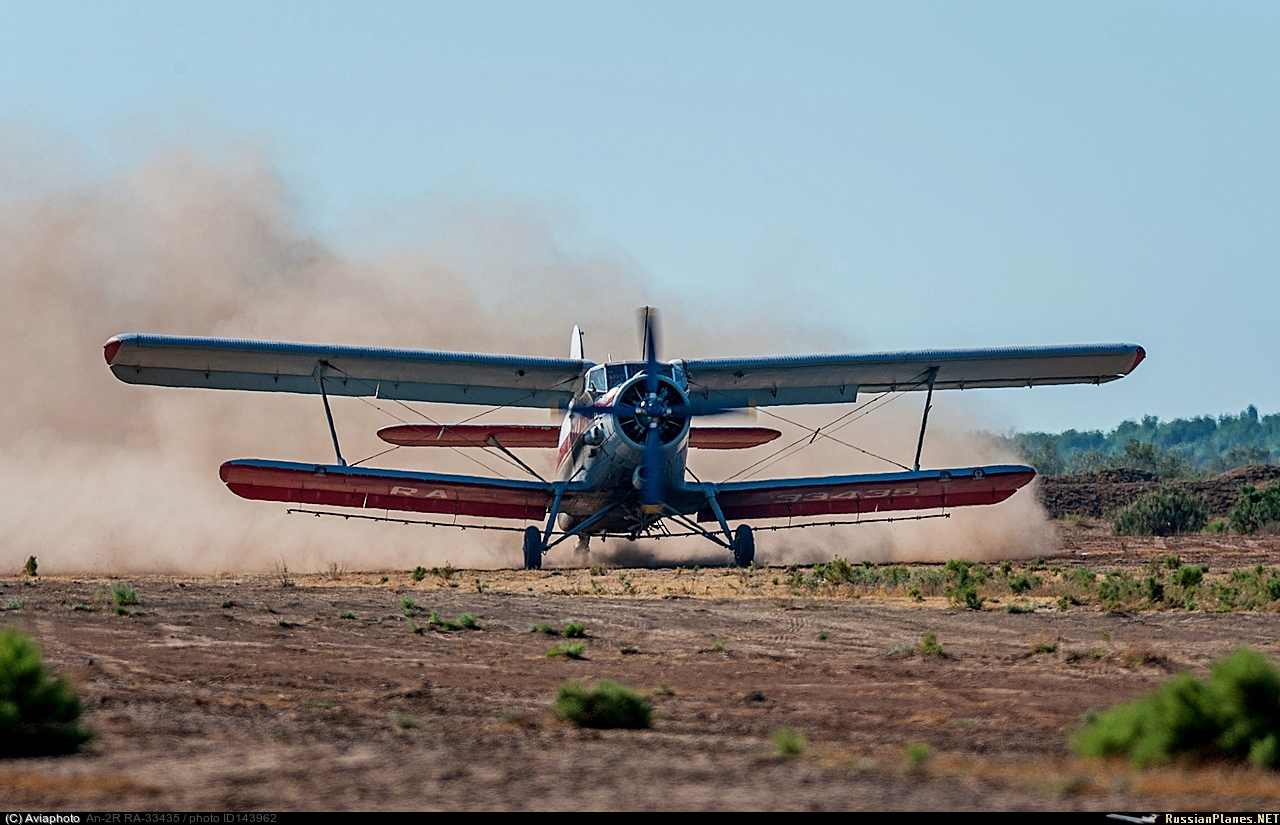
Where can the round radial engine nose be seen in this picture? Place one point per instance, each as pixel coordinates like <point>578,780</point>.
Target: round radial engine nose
<point>652,410</point>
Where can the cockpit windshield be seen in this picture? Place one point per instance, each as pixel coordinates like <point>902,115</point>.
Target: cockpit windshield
<point>605,377</point>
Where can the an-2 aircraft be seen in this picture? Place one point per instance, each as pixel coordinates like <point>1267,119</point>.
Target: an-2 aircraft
<point>623,445</point>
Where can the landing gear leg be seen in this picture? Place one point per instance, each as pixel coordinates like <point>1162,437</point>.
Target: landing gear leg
<point>744,546</point>
<point>533,547</point>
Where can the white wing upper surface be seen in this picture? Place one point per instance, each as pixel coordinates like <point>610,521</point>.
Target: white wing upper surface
<point>405,374</point>
<point>836,379</point>
<point>529,381</point>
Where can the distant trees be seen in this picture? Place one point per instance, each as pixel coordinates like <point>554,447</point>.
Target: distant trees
<point>1179,448</point>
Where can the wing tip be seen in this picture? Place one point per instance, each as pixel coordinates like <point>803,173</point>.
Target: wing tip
<point>1138,358</point>
<point>110,348</point>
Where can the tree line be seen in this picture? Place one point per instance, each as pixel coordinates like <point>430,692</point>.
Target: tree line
<point>1181,448</point>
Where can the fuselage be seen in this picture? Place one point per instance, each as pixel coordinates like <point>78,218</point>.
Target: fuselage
<point>604,452</point>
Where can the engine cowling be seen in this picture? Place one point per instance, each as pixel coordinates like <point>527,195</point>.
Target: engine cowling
<point>652,407</point>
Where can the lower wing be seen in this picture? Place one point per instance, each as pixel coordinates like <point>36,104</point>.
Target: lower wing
<point>923,490</point>
<point>374,489</point>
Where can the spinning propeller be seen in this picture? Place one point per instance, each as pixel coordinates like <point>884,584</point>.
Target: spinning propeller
<point>655,414</point>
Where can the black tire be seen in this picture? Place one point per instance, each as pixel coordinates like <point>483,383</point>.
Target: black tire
<point>532,548</point>
<point>744,546</point>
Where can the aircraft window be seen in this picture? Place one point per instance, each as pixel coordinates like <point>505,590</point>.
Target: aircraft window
<point>618,373</point>
<point>595,380</point>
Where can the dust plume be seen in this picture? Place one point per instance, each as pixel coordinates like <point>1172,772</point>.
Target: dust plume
<point>110,478</point>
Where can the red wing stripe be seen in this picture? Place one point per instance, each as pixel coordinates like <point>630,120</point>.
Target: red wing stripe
<point>470,435</point>
<point>927,490</point>
<point>385,490</point>
<point>730,438</point>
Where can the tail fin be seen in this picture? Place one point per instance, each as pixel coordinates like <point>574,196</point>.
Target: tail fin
<point>575,344</point>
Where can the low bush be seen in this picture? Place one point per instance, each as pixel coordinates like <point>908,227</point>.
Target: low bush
<point>604,705</point>
<point>1167,511</point>
<point>1255,509</point>
<point>789,742</point>
<point>124,594</point>
<point>1235,714</point>
<point>38,715</point>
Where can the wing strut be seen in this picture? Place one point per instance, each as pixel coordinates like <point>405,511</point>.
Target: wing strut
<point>924,419</point>
<point>320,365</point>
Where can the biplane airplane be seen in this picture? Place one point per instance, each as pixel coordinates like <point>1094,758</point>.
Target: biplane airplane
<point>623,444</point>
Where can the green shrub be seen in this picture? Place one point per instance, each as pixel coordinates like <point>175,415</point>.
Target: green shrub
<point>918,753</point>
<point>1235,714</point>
<point>575,630</point>
<point>543,627</point>
<point>789,742</point>
<point>1117,589</point>
<point>38,715</point>
<point>29,569</point>
<point>1190,575</point>
<point>929,645</point>
<point>410,608</point>
<point>124,594</point>
<point>604,705</point>
<point>1255,509</point>
<point>1167,511</point>
<point>419,573</point>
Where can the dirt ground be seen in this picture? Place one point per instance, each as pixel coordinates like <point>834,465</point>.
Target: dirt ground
<point>258,694</point>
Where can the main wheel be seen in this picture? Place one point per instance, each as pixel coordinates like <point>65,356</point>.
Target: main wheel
<point>744,546</point>
<point>532,548</point>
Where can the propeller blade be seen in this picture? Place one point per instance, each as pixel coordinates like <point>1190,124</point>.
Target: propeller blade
<point>651,493</point>
<point>649,320</point>
<point>701,408</point>
<point>605,409</point>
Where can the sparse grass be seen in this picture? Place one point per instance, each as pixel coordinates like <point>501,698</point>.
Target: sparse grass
<point>465,621</point>
<point>39,715</point>
<point>12,604</point>
<point>443,572</point>
<point>78,607</point>
<point>543,627</point>
<point>283,579</point>
<point>419,573</point>
<point>575,630</point>
<point>663,690</point>
<point>604,705</point>
<point>1044,647</point>
<point>226,604</point>
<point>404,721</point>
<point>409,607</point>
<point>718,647</point>
<point>29,569</point>
<point>121,610</point>
<point>572,650</point>
<point>123,594</point>
<point>929,646</point>
<point>788,742</point>
<point>1020,607</point>
<point>283,622</point>
<point>346,614</point>
<point>1235,714</point>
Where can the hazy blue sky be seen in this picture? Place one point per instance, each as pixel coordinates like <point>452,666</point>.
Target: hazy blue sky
<point>931,174</point>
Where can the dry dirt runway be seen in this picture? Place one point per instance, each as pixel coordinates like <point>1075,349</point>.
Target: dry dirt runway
<point>222,693</point>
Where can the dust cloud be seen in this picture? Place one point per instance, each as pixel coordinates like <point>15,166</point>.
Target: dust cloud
<point>103,477</point>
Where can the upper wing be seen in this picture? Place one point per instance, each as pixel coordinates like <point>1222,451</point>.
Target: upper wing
<point>405,374</point>
<point>375,489</point>
<point>871,493</point>
<point>837,379</point>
